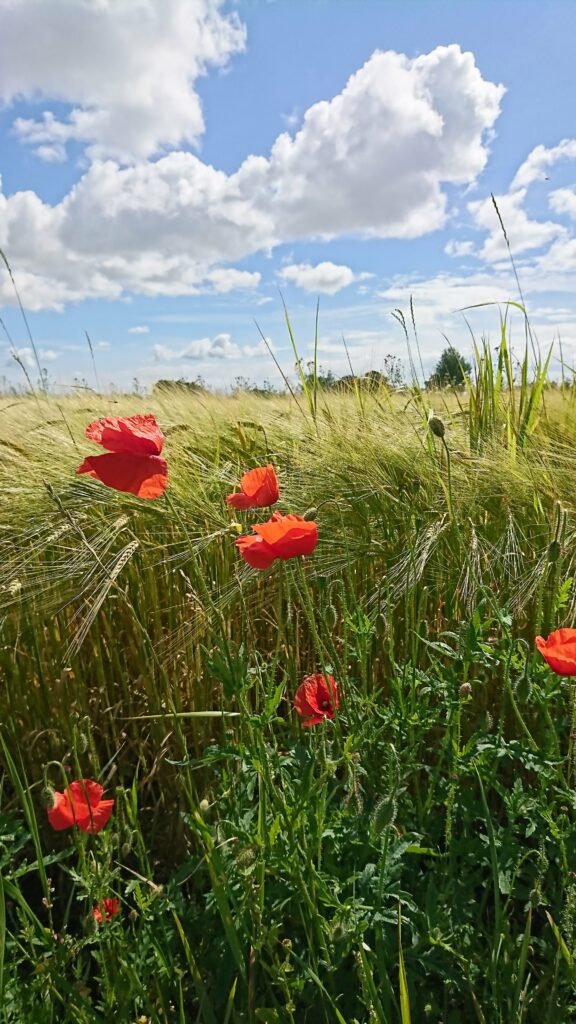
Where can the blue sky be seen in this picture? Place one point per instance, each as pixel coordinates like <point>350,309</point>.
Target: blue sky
<point>168,165</point>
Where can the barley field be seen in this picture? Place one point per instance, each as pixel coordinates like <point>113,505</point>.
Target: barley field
<point>409,857</point>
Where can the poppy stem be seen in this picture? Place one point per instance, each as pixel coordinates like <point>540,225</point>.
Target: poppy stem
<point>572,737</point>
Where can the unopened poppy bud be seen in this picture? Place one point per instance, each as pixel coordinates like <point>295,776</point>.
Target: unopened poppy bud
<point>310,513</point>
<point>554,551</point>
<point>331,616</point>
<point>133,915</point>
<point>380,625</point>
<point>81,743</point>
<point>437,426</point>
<point>47,796</point>
<point>204,806</point>
<point>465,690</point>
<point>125,850</point>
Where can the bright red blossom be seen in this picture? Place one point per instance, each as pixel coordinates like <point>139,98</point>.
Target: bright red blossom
<point>559,650</point>
<point>316,699</point>
<point>258,488</point>
<point>82,805</point>
<point>281,537</point>
<point>133,462</point>
<point>255,552</point>
<point>106,909</point>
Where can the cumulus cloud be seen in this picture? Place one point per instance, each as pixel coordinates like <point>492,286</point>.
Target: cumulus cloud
<point>228,279</point>
<point>371,162</point>
<point>25,355</point>
<point>524,233</point>
<point>259,348</point>
<point>327,277</point>
<point>219,347</point>
<point>454,248</point>
<point>540,160</point>
<point>127,69</point>
<point>563,200</point>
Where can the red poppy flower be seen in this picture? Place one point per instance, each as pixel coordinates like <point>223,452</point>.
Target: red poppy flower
<point>106,909</point>
<point>281,537</point>
<point>258,488</point>
<point>255,552</point>
<point>316,699</point>
<point>288,536</point>
<point>133,464</point>
<point>81,804</point>
<point>559,650</point>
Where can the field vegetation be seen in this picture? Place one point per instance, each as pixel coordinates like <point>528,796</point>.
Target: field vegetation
<point>411,859</point>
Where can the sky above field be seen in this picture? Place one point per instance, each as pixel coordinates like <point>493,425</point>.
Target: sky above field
<point>169,167</point>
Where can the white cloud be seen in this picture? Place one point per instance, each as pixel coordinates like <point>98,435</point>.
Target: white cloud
<point>540,160</point>
<point>563,200</point>
<point>127,68</point>
<point>371,162</point>
<point>141,329</point>
<point>25,355</point>
<point>227,279</point>
<point>327,277</point>
<point>524,234</point>
<point>454,248</point>
<point>220,347</point>
<point>259,349</point>
<point>440,298</point>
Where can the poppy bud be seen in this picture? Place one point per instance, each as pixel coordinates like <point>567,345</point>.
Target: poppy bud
<point>47,796</point>
<point>310,513</point>
<point>383,815</point>
<point>125,850</point>
<point>331,616</point>
<point>204,806</point>
<point>380,625</point>
<point>465,690</point>
<point>523,687</point>
<point>554,551</point>
<point>81,743</point>
<point>437,426</point>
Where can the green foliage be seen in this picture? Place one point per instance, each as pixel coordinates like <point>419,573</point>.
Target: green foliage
<point>411,859</point>
<point>451,368</point>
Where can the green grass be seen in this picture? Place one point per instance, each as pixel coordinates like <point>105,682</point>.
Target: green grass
<point>410,861</point>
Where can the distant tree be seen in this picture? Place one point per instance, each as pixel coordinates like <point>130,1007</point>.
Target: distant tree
<point>244,385</point>
<point>451,368</point>
<point>183,386</point>
<point>394,371</point>
<point>325,379</point>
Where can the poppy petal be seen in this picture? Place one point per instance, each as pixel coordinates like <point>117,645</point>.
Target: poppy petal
<point>146,476</point>
<point>261,485</point>
<point>93,819</point>
<point>239,500</point>
<point>316,699</point>
<point>85,792</point>
<point>61,815</point>
<point>255,551</point>
<point>288,535</point>
<point>559,651</point>
<point>127,435</point>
